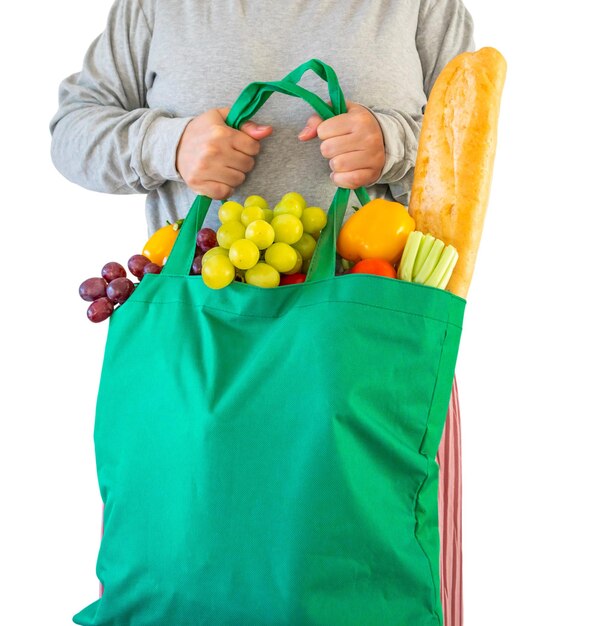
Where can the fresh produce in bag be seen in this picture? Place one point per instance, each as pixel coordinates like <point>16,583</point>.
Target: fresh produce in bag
<point>223,505</point>
<point>253,244</point>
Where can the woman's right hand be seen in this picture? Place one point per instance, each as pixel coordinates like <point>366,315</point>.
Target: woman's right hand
<point>213,158</point>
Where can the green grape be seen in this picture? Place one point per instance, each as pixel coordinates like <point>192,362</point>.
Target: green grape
<point>262,275</point>
<point>229,211</point>
<point>288,207</point>
<point>218,272</point>
<point>314,219</point>
<point>294,198</point>
<point>256,201</point>
<point>229,232</point>
<point>305,245</point>
<point>261,233</point>
<point>287,228</point>
<point>244,254</point>
<point>214,252</point>
<point>251,213</point>
<point>281,256</point>
<point>268,215</point>
<point>298,265</point>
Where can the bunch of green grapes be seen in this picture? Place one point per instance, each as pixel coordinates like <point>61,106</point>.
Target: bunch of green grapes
<point>266,247</point>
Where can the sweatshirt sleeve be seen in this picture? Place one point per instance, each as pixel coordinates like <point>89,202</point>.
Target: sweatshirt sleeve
<point>104,136</point>
<point>445,29</point>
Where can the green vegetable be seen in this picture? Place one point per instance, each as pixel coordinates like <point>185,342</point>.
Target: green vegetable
<point>427,261</point>
<point>423,252</point>
<point>431,262</point>
<point>442,272</point>
<point>406,265</point>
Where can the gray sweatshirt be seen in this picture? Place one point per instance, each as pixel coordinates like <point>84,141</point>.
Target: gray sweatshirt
<point>161,62</point>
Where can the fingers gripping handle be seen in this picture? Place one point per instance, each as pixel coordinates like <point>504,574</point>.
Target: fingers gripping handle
<point>251,99</point>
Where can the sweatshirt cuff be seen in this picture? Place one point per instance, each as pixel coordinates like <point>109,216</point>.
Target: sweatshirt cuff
<point>159,147</point>
<point>395,150</point>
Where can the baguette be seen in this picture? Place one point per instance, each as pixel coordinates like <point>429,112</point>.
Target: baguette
<point>456,155</point>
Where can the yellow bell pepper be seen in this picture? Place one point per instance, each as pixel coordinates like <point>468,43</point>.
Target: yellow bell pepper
<point>378,230</point>
<point>160,244</point>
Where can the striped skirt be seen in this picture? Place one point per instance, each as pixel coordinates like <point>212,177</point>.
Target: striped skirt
<point>449,460</point>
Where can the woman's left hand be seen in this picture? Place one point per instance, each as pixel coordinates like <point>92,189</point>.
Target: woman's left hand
<point>353,143</point>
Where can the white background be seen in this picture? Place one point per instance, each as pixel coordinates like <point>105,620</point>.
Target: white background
<point>524,368</point>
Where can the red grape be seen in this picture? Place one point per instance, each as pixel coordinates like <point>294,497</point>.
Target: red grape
<point>293,279</point>
<point>113,270</point>
<point>196,266</point>
<point>206,239</point>
<point>100,310</point>
<point>136,264</point>
<point>92,289</point>
<point>152,268</point>
<point>119,290</point>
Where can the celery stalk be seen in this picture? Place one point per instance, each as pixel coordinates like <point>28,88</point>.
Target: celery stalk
<point>448,257</point>
<point>423,252</point>
<point>406,265</point>
<point>431,262</point>
<point>447,275</point>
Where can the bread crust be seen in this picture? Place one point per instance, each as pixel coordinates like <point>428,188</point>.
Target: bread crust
<point>455,159</point>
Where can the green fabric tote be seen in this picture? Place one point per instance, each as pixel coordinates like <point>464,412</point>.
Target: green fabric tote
<point>267,456</point>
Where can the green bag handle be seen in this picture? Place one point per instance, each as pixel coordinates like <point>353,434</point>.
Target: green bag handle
<point>251,99</point>
<point>324,71</point>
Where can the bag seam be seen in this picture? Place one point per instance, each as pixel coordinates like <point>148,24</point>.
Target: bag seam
<point>302,306</point>
<point>436,591</point>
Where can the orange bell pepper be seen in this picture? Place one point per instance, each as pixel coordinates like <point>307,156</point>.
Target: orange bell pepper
<point>378,230</point>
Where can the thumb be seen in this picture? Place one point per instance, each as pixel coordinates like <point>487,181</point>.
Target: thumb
<point>310,129</point>
<point>256,131</point>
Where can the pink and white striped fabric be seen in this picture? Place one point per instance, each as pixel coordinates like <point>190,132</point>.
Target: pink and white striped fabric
<point>449,460</point>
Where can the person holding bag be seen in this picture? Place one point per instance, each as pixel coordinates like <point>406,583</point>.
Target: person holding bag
<point>147,115</point>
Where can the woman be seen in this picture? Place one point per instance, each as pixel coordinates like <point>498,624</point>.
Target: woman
<point>147,115</point>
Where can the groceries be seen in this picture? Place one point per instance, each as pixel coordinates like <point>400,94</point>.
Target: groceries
<point>160,244</point>
<point>113,287</point>
<point>456,156</point>
<point>424,260</point>
<point>427,261</point>
<point>100,310</point>
<point>218,272</point>
<point>379,267</point>
<point>434,244</point>
<point>384,234</point>
<point>451,183</point>
<point>378,230</point>
<point>254,244</point>
<point>270,248</point>
<point>263,245</point>
<point>293,279</point>
<point>92,289</point>
<point>137,264</point>
<point>110,289</point>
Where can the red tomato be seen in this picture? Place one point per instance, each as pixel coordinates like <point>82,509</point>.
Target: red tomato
<point>380,267</point>
<point>292,279</point>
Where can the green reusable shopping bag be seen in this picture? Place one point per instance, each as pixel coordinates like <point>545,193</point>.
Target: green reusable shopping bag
<point>267,456</point>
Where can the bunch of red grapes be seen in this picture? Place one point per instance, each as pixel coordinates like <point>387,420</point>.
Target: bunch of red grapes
<point>113,287</point>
